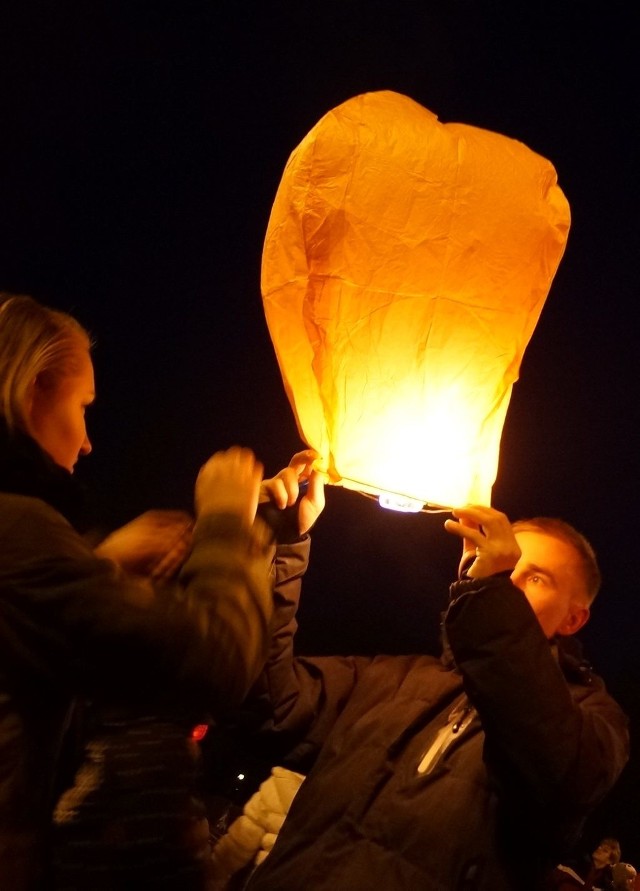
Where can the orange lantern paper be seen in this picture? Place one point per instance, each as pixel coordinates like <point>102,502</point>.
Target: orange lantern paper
<point>405,265</point>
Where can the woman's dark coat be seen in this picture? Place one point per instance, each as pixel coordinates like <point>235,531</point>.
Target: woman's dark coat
<point>71,623</point>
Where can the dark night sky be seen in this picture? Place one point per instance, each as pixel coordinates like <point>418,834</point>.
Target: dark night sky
<point>141,148</point>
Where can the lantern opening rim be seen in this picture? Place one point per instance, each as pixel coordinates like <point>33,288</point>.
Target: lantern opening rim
<point>379,495</point>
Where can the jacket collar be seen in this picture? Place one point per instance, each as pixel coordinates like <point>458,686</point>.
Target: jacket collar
<point>25,469</point>
<point>571,659</point>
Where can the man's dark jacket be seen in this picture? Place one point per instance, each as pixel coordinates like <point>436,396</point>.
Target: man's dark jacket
<point>435,775</point>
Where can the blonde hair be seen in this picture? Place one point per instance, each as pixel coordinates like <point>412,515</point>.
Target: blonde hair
<point>36,342</point>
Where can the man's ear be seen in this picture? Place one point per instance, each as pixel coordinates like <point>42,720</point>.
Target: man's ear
<point>576,618</point>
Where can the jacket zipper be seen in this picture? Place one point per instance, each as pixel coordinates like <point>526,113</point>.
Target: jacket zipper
<point>459,719</point>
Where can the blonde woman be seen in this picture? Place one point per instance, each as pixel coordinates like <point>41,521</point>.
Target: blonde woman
<point>72,621</point>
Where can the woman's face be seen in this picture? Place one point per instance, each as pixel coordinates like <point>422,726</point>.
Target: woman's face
<point>57,421</point>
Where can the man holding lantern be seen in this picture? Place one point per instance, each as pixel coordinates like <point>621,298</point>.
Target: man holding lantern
<point>472,771</point>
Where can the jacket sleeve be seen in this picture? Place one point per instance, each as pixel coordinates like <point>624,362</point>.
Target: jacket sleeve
<point>297,699</point>
<point>78,621</point>
<point>557,745</point>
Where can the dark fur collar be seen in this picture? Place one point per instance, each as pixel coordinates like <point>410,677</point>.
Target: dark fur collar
<point>25,469</point>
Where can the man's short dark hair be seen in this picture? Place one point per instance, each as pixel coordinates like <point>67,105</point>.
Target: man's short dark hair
<point>564,531</point>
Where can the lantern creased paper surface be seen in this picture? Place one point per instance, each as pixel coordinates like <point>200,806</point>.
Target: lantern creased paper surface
<point>405,265</point>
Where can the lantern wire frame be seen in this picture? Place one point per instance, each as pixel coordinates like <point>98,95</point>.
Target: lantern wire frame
<point>425,509</point>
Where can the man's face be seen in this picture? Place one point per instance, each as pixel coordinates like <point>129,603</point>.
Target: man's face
<point>548,572</point>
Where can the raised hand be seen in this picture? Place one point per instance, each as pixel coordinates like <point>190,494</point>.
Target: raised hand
<point>487,534</point>
<point>229,482</point>
<point>283,489</point>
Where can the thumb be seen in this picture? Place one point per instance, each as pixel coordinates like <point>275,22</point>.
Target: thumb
<point>312,503</point>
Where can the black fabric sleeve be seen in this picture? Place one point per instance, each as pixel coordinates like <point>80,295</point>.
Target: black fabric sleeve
<point>556,745</point>
<point>297,699</point>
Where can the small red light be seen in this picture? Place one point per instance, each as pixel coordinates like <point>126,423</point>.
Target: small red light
<point>199,732</point>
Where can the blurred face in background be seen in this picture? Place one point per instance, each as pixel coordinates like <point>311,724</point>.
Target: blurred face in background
<point>605,854</point>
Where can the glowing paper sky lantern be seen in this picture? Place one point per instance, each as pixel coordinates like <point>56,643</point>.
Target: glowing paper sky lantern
<point>405,265</point>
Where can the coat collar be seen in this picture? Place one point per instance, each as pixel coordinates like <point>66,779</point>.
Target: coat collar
<point>25,469</point>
